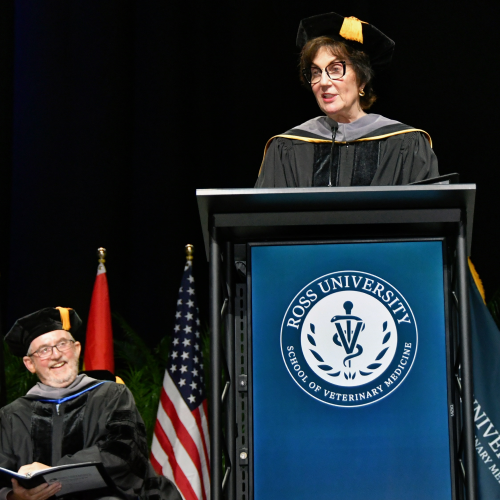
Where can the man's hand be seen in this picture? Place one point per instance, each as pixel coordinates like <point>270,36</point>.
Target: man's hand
<point>41,492</point>
<point>30,468</point>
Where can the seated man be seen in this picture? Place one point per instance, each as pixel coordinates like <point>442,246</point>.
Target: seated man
<point>69,418</point>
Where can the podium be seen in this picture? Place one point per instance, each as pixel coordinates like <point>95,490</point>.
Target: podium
<point>344,366</point>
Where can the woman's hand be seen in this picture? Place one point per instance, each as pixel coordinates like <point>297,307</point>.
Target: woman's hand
<point>40,492</point>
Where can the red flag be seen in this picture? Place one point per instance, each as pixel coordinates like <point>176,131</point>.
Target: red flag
<point>180,448</point>
<point>99,340</point>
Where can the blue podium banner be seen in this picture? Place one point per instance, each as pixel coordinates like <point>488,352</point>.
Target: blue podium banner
<point>349,372</point>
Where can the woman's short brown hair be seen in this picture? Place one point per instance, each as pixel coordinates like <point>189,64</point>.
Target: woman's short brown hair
<point>359,60</point>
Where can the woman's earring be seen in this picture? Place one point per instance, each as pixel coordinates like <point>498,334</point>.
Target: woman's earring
<point>362,92</point>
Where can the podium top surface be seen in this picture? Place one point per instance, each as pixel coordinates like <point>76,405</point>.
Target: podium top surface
<point>278,200</point>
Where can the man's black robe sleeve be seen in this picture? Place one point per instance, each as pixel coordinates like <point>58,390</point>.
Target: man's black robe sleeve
<point>116,436</point>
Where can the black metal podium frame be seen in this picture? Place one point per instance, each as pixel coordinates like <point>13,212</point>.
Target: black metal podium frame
<point>232,218</point>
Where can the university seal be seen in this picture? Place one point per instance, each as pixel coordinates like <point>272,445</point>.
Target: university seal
<point>349,338</point>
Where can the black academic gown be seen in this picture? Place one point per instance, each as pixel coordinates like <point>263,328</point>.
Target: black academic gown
<point>380,153</point>
<point>100,424</point>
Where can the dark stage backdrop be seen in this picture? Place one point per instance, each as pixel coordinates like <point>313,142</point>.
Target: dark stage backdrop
<point>114,112</point>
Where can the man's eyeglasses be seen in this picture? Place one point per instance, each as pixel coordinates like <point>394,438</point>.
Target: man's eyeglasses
<point>46,351</point>
<point>334,71</point>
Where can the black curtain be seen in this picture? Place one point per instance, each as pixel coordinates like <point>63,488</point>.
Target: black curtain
<point>6,119</point>
<point>118,110</point>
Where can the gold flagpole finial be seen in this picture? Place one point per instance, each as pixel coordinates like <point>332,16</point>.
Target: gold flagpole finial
<point>101,253</point>
<point>189,251</point>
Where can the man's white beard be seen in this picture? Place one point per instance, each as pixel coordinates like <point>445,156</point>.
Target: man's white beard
<point>64,380</point>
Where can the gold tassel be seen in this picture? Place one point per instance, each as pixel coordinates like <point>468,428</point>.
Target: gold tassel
<point>477,280</point>
<point>64,312</point>
<point>352,29</point>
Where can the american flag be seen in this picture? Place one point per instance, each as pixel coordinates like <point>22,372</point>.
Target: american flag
<point>181,441</point>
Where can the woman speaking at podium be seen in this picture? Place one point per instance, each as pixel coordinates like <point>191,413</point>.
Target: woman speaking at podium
<point>346,146</point>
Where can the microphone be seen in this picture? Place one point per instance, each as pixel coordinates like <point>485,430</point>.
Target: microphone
<point>334,128</point>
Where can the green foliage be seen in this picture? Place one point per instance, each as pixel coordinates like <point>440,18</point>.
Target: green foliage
<point>142,369</point>
<point>146,393</point>
<point>494,307</point>
<point>205,352</point>
<point>18,379</point>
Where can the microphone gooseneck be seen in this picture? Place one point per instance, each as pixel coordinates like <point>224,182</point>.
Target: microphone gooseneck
<point>334,128</point>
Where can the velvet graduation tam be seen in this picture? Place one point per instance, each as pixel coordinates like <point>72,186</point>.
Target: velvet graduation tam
<point>350,30</point>
<point>29,327</point>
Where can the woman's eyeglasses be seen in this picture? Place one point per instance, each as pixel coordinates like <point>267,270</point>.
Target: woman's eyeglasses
<point>334,71</point>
